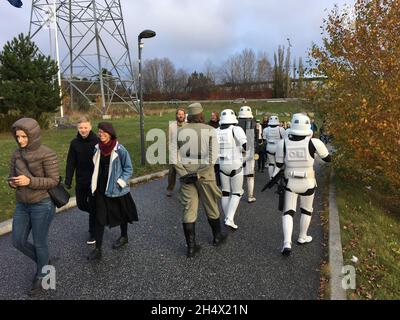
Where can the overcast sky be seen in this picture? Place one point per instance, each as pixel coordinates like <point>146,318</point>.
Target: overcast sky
<point>190,32</point>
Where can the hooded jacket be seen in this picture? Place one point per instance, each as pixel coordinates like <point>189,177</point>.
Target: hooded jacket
<point>80,160</point>
<point>43,169</point>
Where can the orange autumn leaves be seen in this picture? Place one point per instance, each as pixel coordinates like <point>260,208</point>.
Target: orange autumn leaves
<point>360,99</point>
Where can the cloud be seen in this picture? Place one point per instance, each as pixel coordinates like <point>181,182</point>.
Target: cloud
<point>191,32</point>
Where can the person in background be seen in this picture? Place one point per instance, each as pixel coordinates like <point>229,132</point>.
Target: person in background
<point>264,124</point>
<point>179,122</point>
<point>214,120</point>
<point>248,124</point>
<point>260,147</point>
<point>264,121</point>
<point>314,127</point>
<point>33,171</point>
<point>272,135</point>
<point>80,162</point>
<point>113,201</point>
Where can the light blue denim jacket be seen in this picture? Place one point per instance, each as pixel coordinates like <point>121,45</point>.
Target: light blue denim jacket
<point>119,173</point>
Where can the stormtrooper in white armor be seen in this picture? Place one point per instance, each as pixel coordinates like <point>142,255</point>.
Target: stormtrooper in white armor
<point>248,124</point>
<point>296,153</point>
<point>272,135</point>
<point>232,142</point>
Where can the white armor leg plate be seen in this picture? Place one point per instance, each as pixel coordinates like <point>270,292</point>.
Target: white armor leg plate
<point>290,201</point>
<point>225,187</point>
<point>250,189</point>
<point>271,160</point>
<point>270,171</point>
<point>306,202</point>
<point>225,205</point>
<point>236,183</point>
<point>249,168</point>
<point>304,224</point>
<point>287,226</point>
<point>233,204</point>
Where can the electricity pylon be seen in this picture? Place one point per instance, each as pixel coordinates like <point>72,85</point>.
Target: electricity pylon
<point>91,49</point>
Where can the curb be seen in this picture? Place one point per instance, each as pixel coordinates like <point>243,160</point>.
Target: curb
<point>6,226</point>
<point>335,247</point>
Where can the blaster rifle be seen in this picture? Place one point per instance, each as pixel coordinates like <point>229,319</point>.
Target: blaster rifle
<point>273,181</point>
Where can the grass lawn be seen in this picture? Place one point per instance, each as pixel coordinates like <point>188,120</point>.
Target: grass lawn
<point>157,116</point>
<point>370,224</point>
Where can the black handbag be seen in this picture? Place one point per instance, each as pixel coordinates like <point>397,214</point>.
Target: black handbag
<point>58,194</point>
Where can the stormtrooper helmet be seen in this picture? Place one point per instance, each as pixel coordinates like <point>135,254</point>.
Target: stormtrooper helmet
<point>273,121</point>
<point>300,125</point>
<point>245,112</point>
<point>228,117</point>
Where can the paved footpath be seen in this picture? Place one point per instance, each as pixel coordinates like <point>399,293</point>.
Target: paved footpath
<point>154,266</point>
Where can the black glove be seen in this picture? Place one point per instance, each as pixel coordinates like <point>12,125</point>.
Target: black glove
<point>189,178</point>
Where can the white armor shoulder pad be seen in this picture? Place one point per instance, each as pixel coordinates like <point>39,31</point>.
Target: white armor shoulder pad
<point>239,135</point>
<point>320,148</point>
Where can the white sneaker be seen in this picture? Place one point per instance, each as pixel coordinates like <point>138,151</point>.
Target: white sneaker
<point>305,240</point>
<point>231,224</point>
<point>252,199</point>
<point>287,248</point>
<point>91,241</point>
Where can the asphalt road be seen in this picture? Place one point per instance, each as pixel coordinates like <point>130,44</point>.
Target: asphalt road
<point>154,266</point>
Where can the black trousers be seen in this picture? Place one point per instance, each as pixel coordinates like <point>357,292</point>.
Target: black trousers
<point>261,160</point>
<point>84,201</point>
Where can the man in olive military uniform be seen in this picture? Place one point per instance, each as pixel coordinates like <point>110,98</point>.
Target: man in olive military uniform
<point>197,153</point>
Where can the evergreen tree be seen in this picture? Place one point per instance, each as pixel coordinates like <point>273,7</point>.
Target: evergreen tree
<point>199,84</point>
<point>27,79</point>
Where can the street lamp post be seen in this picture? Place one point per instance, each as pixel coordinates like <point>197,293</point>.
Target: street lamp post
<point>143,34</point>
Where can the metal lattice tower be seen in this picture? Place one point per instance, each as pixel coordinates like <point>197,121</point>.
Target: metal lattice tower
<point>93,56</point>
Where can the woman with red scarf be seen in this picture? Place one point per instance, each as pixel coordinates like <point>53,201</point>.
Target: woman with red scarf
<point>110,187</point>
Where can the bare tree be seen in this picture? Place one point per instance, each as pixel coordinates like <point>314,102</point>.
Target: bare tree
<point>167,73</point>
<point>264,68</point>
<point>181,79</point>
<point>210,71</point>
<point>248,66</point>
<point>230,70</point>
<point>151,75</point>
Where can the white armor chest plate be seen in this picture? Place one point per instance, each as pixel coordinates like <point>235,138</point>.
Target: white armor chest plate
<point>227,144</point>
<point>273,135</point>
<point>298,161</point>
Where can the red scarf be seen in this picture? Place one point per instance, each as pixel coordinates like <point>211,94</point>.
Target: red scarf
<point>107,148</point>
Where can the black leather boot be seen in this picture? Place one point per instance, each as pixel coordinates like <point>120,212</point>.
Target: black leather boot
<point>95,254</point>
<point>190,235</point>
<point>219,238</point>
<point>121,241</point>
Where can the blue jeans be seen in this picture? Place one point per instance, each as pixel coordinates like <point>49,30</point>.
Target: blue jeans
<point>36,217</point>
